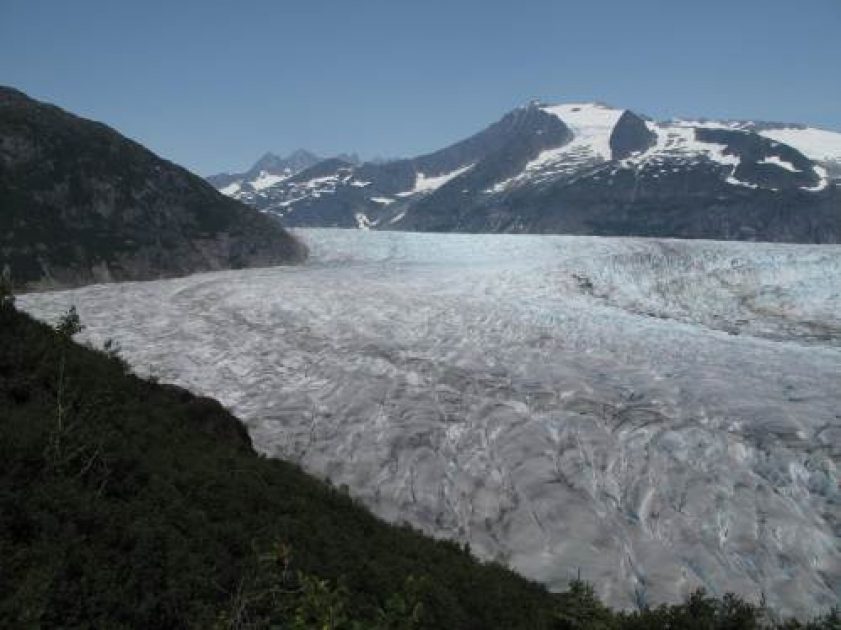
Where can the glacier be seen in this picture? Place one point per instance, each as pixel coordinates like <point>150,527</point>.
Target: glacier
<point>657,415</point>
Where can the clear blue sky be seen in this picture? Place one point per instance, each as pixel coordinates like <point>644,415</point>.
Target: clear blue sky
<point>211,85</point>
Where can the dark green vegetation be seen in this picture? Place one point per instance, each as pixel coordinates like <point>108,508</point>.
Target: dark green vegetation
<point>125,503</point>
<point>80,203</point>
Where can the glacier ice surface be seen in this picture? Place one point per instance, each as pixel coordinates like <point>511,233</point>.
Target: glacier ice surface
<point>658,414</point>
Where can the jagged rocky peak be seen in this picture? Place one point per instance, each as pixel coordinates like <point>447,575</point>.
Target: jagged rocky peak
<point>534,119</point>
<point>529,123</point>
<point>630,135</point>
<point>267,162</point>
<point>295,162</point>
<point>268,170</point>
<point>591,124</point>
<point>324,168</point>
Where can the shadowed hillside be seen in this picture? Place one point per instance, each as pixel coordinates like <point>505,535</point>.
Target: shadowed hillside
<point>80,203</point>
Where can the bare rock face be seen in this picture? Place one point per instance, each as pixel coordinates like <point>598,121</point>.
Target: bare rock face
<point>630,135</point>
<point>80,203</point>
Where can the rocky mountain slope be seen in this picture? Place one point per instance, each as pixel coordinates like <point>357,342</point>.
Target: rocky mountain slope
<point>587,168</point>
<point>269,170</point>
<point>81,203</point>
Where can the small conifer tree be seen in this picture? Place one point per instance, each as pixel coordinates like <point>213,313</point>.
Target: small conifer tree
<point>69,324</point>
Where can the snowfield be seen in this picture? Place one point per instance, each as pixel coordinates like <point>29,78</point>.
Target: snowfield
<point>659,414</point>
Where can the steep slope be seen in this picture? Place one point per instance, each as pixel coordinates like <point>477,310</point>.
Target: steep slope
<point>80,203</point>
<point>587,168</point>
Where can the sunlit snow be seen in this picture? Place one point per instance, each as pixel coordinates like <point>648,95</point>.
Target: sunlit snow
<point>777,161</point>
<point>266,180</point>
<point>426,184</point>
<point>823,180</point>
<point>363,222</point>
<point>591,125</point>
<point>678,140</point>
<point>657,414</point>
<point>397,218</point>
<point>231,189</point>
<point>816,144</point>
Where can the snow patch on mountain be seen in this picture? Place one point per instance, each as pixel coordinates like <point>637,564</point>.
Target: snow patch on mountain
<point>426,183</point>
<point>266,179</point>
<point>703,123</point>
<point>731,179</point>
<point>815,144</point>
<point>591,125</point>
<point>681,141</point>
<point>776,161</point>
<point>321,182</point>
<point>290,202</point>
<point>677,142</point>
<point>822,173</point>
<point>231,189</point>
<point>397,218</point>
<point>363,222</point>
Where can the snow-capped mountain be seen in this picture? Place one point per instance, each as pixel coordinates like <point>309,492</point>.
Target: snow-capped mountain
<point>586,168</point>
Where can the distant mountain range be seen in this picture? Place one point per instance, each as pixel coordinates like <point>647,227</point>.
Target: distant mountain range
<point>267,171</point>
<point>80,203</point>
<point>578,168</point>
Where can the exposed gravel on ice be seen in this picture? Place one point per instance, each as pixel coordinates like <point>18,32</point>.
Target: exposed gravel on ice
<point>658,414</point>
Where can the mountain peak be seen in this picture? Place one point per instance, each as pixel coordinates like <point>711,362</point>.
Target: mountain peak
<point>268,161</point>
<point>296,161</point>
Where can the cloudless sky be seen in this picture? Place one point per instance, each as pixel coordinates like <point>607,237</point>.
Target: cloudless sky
<point>212,84</point>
